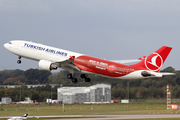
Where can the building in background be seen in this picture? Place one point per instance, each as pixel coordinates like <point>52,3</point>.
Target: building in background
<point>6,100</point>
<point>100,93</point>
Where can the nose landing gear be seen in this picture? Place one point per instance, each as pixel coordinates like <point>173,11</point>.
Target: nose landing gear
<point>19,61</point>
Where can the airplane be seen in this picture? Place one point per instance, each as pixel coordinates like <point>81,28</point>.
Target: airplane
<point>51,58</point>
<point>19,118</point>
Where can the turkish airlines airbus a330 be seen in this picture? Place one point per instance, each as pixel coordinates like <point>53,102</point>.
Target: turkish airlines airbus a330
<point>50,58</point>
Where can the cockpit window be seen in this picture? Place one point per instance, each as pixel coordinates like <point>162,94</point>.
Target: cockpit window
<point>10,42</point>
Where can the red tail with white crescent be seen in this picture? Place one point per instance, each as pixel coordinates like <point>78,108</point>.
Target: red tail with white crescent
<point>154,61</point>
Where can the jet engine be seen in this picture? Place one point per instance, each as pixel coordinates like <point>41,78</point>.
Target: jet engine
<point>47,65</point>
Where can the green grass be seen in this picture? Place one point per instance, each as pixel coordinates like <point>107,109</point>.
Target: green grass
<point>75,109</point>
<point>78,109</point>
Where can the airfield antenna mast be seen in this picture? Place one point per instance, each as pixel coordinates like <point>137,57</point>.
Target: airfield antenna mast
<point>168,97</point>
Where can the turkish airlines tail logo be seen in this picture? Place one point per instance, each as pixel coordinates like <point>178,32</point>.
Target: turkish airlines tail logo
<point>154,61</point>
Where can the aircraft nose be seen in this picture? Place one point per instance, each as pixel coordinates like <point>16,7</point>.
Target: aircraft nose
<point>5,45</point>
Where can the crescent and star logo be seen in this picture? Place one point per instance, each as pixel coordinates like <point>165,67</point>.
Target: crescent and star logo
<point>154,62</point>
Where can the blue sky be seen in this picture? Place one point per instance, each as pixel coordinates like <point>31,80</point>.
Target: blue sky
<point>110,29</point>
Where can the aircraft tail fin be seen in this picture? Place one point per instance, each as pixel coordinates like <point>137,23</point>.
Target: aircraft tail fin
<point>154,61</point>
<point>25,115</point>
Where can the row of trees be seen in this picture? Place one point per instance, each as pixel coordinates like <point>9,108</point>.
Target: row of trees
<point>39,93</point>
<point>138,89</point>
<point>31,76</point>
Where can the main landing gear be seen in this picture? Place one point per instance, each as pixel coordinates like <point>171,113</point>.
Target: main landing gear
<point>70,76</point>
<point>85,77</point>
<point>19,61</point>
<point>75,80</point>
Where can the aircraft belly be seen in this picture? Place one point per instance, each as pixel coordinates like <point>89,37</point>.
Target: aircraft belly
<point>133,75</point>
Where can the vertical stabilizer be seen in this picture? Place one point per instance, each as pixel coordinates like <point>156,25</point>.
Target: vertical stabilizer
<point>154,61</point>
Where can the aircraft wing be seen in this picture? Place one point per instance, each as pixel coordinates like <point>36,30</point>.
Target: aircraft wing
<point>68,64</point>
<point>16,118</point>
<point>19,119</point>
<point>129,61</point>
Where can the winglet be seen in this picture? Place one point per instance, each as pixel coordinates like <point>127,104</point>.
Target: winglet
<point>71,57</point>
<point>142,58</point>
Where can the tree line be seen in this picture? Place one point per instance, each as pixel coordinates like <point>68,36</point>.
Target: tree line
<point>152,88</point>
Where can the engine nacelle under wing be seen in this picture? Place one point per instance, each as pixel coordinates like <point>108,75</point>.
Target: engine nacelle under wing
<point>47,65</point>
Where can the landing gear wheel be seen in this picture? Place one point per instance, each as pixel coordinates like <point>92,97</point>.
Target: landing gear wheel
<point>87,79</point>
<point>19,61</point>
<point>84,75</point>
<point>74,80</point>
<point>69,76</point>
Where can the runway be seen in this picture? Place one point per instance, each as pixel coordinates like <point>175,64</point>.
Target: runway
<point>102,117</point>
<point>112,117</point>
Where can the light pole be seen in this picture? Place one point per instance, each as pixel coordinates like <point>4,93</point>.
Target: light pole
<point>51,92</point>
<point>128,89</point>
<point>20,93</point>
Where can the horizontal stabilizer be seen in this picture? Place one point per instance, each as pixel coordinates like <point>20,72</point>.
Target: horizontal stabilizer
<point>163,73</point>
<point>155,74</point>
<point>129,61</point>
